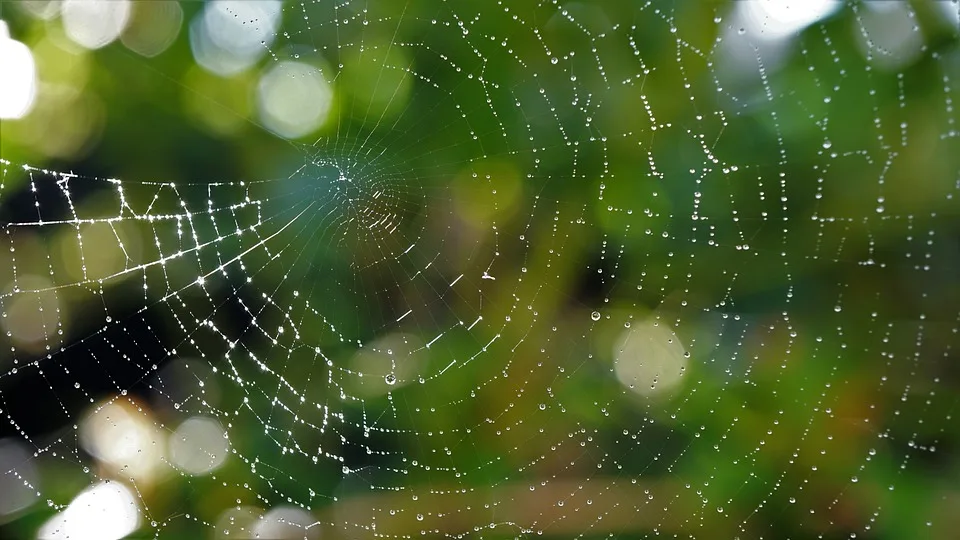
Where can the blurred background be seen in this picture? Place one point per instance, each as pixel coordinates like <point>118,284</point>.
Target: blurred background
<point>318,269</point>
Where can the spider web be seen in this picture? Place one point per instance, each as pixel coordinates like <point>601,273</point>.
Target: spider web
<point>592,269</point>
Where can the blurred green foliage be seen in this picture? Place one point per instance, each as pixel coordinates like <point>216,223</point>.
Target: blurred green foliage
<point>651,174</point>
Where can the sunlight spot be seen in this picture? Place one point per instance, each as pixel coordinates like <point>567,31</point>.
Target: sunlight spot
<point>286,522</point>
<point>950,11</point>
<point>229,36</point>
<point>198,446</point>
<point>888,36</point>
<point>120,435</point>
<point>105,511</point>
<point>19,73</point>
<point>293,99</point>
<point>94,23</point>
<point>649,358</point>
<point>779,19</point>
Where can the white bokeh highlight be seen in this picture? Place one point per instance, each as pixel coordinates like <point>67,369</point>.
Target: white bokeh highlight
<point>94,23</point>
<point>230,36</point>
<point>123,438</point>
<point>649,358</point>
<point>950,11</point>
<point>198,446</point>
<point>105,511</point>
<point>780,19</point>
<point>293,99</point>
<point>19,73</point>
<point>287,522</point>
<point>888,35</point>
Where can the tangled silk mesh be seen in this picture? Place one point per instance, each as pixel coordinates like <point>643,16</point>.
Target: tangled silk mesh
<point>595,269</point>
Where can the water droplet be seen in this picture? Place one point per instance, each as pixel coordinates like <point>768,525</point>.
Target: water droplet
<point>595,315</point>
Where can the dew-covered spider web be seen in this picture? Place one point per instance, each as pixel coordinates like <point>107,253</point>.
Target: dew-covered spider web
<point>586,269</point>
